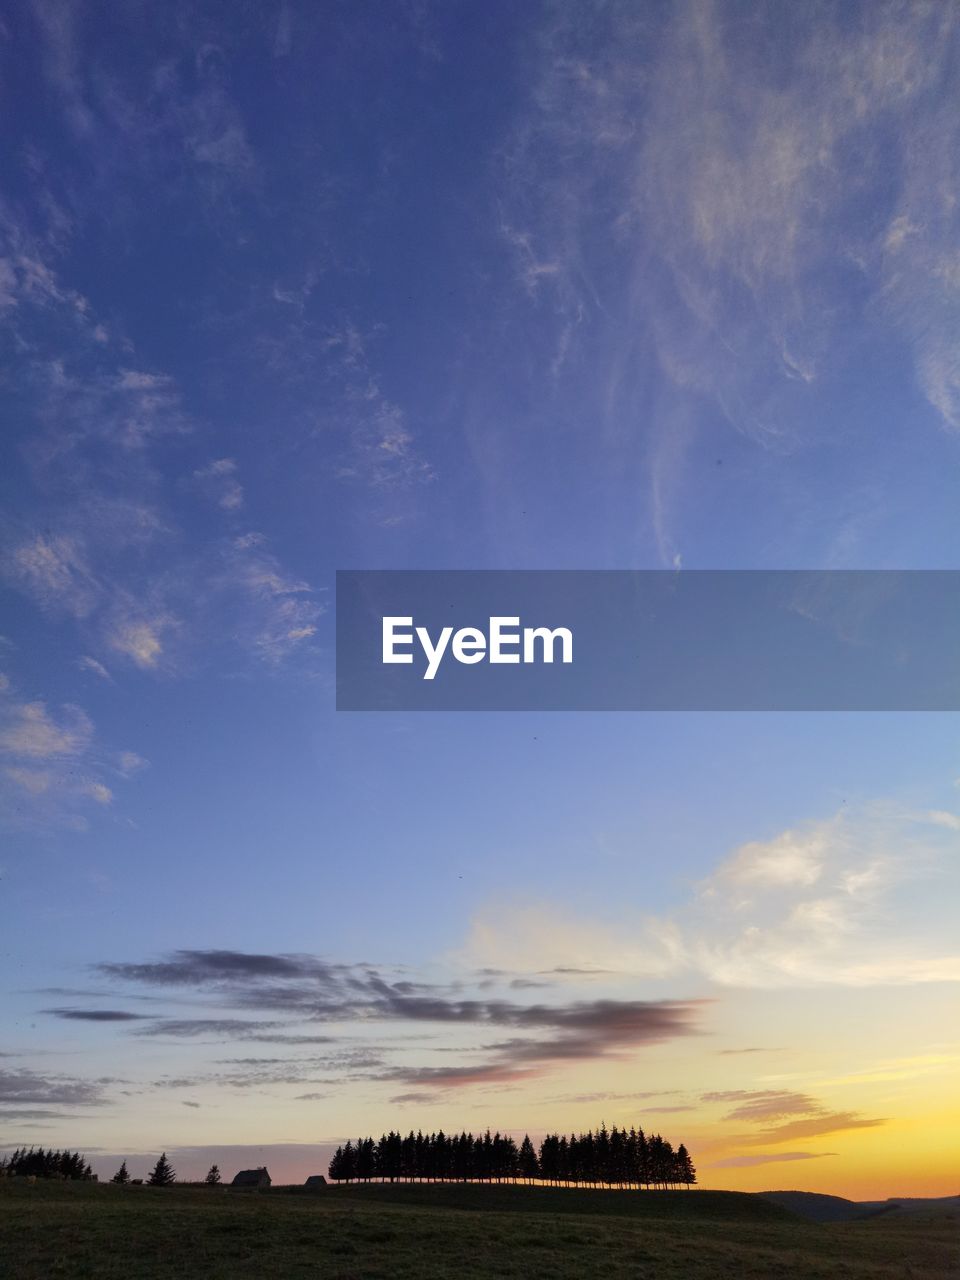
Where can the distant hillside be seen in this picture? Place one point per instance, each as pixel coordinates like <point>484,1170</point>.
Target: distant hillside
<point>822,1208</point>
<point>915,1204</point>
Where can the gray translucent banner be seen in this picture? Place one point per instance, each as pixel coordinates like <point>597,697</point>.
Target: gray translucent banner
<point>648,640</point>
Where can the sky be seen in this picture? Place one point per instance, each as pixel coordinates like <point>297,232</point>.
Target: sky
<point>291,288</point>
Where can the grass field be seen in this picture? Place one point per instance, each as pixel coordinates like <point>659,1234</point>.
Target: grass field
<point>381,1233</point>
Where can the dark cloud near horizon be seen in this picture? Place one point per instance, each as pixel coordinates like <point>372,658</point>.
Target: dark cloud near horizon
<point>191,1028</point>
<point>291,1039</point>
<point>570,971</point>
<point>764,1104</point>
<point>23,1088</point>
<point>639,1096</point>
<point>582,1031</point>
<point>321,991</point>
<point>266,1072</point>
<point>753,1049</point>
<point>293,989</point>
<point>18,1114</point>
<point>96,1015</point>
<point>768,1157</point>
<point>459,1077</point>
<point>228,1029</point>
<point>812,1127</point>
<point>201,967</point>
<point>89,993</point>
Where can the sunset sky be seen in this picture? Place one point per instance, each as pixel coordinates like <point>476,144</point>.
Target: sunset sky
<point>291,288</point>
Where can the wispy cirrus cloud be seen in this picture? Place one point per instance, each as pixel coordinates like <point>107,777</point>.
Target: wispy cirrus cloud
<point>383,451</point>
<point>110,450</point>
<point>682,204</point>
<point>329,374</point>
<point>278,613</point>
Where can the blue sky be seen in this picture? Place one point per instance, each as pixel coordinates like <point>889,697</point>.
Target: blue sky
<point>416,285</point>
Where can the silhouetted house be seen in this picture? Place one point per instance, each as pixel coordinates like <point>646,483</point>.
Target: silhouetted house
<point>315,1182</point>
<point>251,1178</point>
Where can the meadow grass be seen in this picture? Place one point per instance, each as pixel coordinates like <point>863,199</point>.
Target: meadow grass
<point>53,1230</point>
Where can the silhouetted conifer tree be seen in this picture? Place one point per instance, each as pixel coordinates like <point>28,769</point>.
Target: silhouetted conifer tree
<point>529,1165</point>
<point>162,1174</point>
<point>685,1167</point>
<point>365,1159</point>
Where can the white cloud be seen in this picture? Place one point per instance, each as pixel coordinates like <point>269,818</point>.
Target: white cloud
<point>383,451</point>
<point>53,569</point>
<point>821,905</point>
<point>219,480</point>
<point>137,380</point>
<point>941,818</point>
<point>229,150</point>
<point>28,729</point>
<point>37,283</point>
<point>99,792</point>
<point>283,37</point>
<point>531,270</point>
<point>139,639</point>
<point>792,858</point>
<point>8,282</point>
<point>129,763</point>
<point>36,781</point>
<point>86,663</point>
<point>53,762</point>
<point>541,937</point>
<point>280,612</point>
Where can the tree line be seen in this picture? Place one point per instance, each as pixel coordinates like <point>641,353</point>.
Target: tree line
<point>163,1174</point>
<point>34,1162</point>
<point>610,1158</point>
